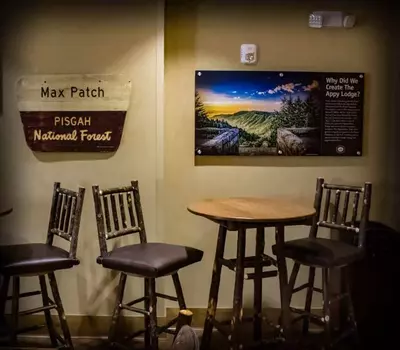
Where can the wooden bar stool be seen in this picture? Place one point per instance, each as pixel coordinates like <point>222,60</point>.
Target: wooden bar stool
<point>329,254</point>
<point>41,259</point>
<point>146,260</point>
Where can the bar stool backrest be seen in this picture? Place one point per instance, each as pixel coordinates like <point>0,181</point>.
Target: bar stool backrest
<point>124,203</point>
<point>65,216</point>
<point>334,214</point>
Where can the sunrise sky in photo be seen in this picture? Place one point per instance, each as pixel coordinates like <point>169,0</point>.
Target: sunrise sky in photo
<point>225,93</point>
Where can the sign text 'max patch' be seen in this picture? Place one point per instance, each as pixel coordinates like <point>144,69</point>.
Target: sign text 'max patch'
<point>73,113</point>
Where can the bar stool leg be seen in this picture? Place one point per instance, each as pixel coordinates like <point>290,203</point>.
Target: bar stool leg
<point>260,244</point>
<point>283,280</point>
<point>179,291</point>
<point>60,310</point>
<point>15,309</point>
<point>153,314</point>
<point>112,333</point>
<point>146,317</point>
<point>47,314</point>
<point>292,280</point>
<point>352,318</point>
<point>310,291</point>
<point>238,292</point>
<point>5,281</point>
<point>214,289</point>
<point>184,316</point>
<point>327,309</point>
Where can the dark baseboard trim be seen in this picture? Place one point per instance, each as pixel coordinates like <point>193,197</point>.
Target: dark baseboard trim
<point>86,326</point>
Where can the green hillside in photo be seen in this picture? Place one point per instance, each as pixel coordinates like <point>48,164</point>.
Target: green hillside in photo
<point>254,122</point>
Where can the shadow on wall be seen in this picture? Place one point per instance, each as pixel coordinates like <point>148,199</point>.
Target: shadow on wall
<point>391,202</point>
<point>285,161</point>
<point>52,157</point>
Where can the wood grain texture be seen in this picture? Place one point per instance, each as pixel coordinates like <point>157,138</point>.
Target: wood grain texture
<point>116,92</point>
<point>73,113</point>
<point>253,209</point>
<point>37,125</point>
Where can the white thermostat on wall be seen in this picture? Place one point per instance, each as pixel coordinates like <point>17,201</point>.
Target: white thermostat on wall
<point>248,53</point>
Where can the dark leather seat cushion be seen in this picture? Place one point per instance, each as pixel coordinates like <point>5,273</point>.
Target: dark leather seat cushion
<point>321,252</point>
<point>150,259</point>
<point>32,258</point>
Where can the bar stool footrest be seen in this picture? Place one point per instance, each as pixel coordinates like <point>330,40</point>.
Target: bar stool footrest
<point>37,309</point>
<point>343,335</point>
<point>299,318</point>
<point>312,317</point>
<point>26,295</point>
<point>136,301</point>
<point>30,328</point>
<point>134,309</point>
<point>223,326</point>
<point>134,334</point>
<point>300,288</point>
<point>167,297</point>
<point>304,286</point>
<point>165,328</point>
<point>249,262</point>
<point>264,274</point>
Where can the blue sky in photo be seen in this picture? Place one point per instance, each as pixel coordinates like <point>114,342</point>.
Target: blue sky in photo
<point>232,91</point>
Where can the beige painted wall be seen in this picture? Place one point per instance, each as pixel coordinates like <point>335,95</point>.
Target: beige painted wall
<point>208,36</point>
<point>82,39</point>
<point>123,39</point>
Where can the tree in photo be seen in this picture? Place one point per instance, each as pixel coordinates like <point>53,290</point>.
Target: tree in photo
<point>293,114</point>
<point>201,116</point>
<point>315,108</point>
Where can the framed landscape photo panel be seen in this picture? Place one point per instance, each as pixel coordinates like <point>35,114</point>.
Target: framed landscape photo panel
<point>265,113</point>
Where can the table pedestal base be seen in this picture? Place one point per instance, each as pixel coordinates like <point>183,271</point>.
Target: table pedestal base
<point>232,328</point>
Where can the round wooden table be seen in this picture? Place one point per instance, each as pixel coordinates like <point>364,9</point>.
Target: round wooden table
<point>239,214</point>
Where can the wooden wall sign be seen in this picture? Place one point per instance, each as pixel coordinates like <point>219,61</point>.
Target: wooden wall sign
<point>73,113</point>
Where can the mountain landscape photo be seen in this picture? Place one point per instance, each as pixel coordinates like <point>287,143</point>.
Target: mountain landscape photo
<point>256,113</point>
